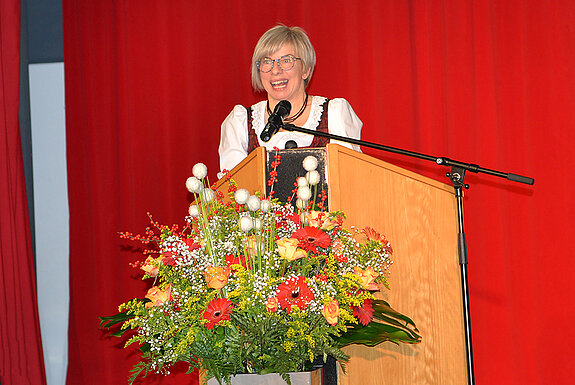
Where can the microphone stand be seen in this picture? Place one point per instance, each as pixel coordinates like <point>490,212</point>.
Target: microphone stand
<point>457,177</point>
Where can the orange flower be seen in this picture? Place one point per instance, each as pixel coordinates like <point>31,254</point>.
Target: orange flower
<point>158,297</point>
<point>367,278</point>
<point>331,312</point>
<point>255,246</point>
<point>150,267</point>
<point>272,304</point>
<point>320,219</point>
<point>217,277</point>
<point>287,249</point>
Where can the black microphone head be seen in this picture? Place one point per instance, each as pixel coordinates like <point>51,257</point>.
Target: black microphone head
<point>290,144</point>
<point>282,109</point>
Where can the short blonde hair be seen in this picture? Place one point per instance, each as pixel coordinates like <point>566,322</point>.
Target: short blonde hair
<point>273,39</point>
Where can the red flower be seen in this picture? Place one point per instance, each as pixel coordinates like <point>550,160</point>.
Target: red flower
<point>310,238</point>
<point>364,313</point>
<point>294,292</point>
<point>191,244</point>
<point>168,259</point>
<point>218,309</point>
<point>235,260</point>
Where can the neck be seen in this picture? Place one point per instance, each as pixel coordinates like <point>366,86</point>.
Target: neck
<point>296,103</point>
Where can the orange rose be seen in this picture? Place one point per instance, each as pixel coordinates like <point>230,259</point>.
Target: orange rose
<point>150,267</point>
<point>255,246</point>
<point>272,304</point>
<point>217,277</point>
<point>287,249</point>
<point>157,296</point>
<point>367,278</point>
<point>331,312</point>
<point>320,219</point>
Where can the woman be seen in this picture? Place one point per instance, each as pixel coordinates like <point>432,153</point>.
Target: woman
<point>282,65</point>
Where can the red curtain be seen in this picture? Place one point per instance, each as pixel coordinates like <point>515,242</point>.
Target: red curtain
<point>21,360</point>
<point>148,84</point>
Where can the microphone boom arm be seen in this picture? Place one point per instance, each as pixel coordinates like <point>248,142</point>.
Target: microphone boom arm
<point>442,161</point>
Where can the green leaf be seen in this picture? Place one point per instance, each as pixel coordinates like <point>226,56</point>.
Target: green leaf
<point>108,322</point>
<point>387,325</point>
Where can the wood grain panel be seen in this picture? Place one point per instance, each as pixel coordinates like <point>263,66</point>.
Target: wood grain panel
<point>418,215</point>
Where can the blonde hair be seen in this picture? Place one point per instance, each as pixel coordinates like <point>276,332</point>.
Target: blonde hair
<point>273,39</point>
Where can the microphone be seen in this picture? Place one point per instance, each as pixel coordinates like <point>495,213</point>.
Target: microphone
<point>290,144</point>
<point>275,120</point>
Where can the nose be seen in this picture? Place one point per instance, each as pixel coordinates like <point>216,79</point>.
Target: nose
<point>276,69</point>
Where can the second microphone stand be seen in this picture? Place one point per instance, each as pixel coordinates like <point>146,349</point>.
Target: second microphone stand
<point>457,178</point>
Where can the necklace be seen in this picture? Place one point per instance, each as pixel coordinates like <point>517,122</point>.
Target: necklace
<point>290,119</point>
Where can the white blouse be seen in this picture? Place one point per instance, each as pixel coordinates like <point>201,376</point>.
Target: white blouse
<point>342,121</point>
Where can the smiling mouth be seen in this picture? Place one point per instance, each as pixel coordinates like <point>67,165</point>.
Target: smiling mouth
<point>279,84</point>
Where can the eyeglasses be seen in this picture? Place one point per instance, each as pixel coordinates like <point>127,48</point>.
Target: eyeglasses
<point>285,62</point>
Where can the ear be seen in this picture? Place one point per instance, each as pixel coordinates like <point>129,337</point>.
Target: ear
<point>306,74</point>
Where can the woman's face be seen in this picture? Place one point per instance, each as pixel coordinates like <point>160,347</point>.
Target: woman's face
<point>284,85</point>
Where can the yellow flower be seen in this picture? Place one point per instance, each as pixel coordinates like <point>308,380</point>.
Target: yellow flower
<point>287,249</point>
<point>217,277</point>
<point>331,312</point>
<point>366,278</point>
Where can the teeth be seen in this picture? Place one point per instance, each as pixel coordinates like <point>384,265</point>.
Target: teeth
<point>279,83</point>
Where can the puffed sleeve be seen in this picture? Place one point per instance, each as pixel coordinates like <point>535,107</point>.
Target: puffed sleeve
<point>234,138</point>
<point>343,121</point>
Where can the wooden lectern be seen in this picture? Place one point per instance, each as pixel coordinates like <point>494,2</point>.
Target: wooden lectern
<point>418,216</point>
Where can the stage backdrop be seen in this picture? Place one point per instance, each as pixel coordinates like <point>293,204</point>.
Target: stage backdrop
<point>489,82</point>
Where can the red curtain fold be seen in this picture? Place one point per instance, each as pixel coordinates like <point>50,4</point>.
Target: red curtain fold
<point>148,84</point>
<point>21,360</point>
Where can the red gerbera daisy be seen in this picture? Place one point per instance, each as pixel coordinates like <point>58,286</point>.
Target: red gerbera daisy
<point>364,313</point>
<point>218,309</point>
<point>310,238</point>
<point>294,292</point>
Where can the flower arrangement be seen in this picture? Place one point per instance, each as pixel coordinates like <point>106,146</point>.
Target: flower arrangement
<point>253,285</point>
